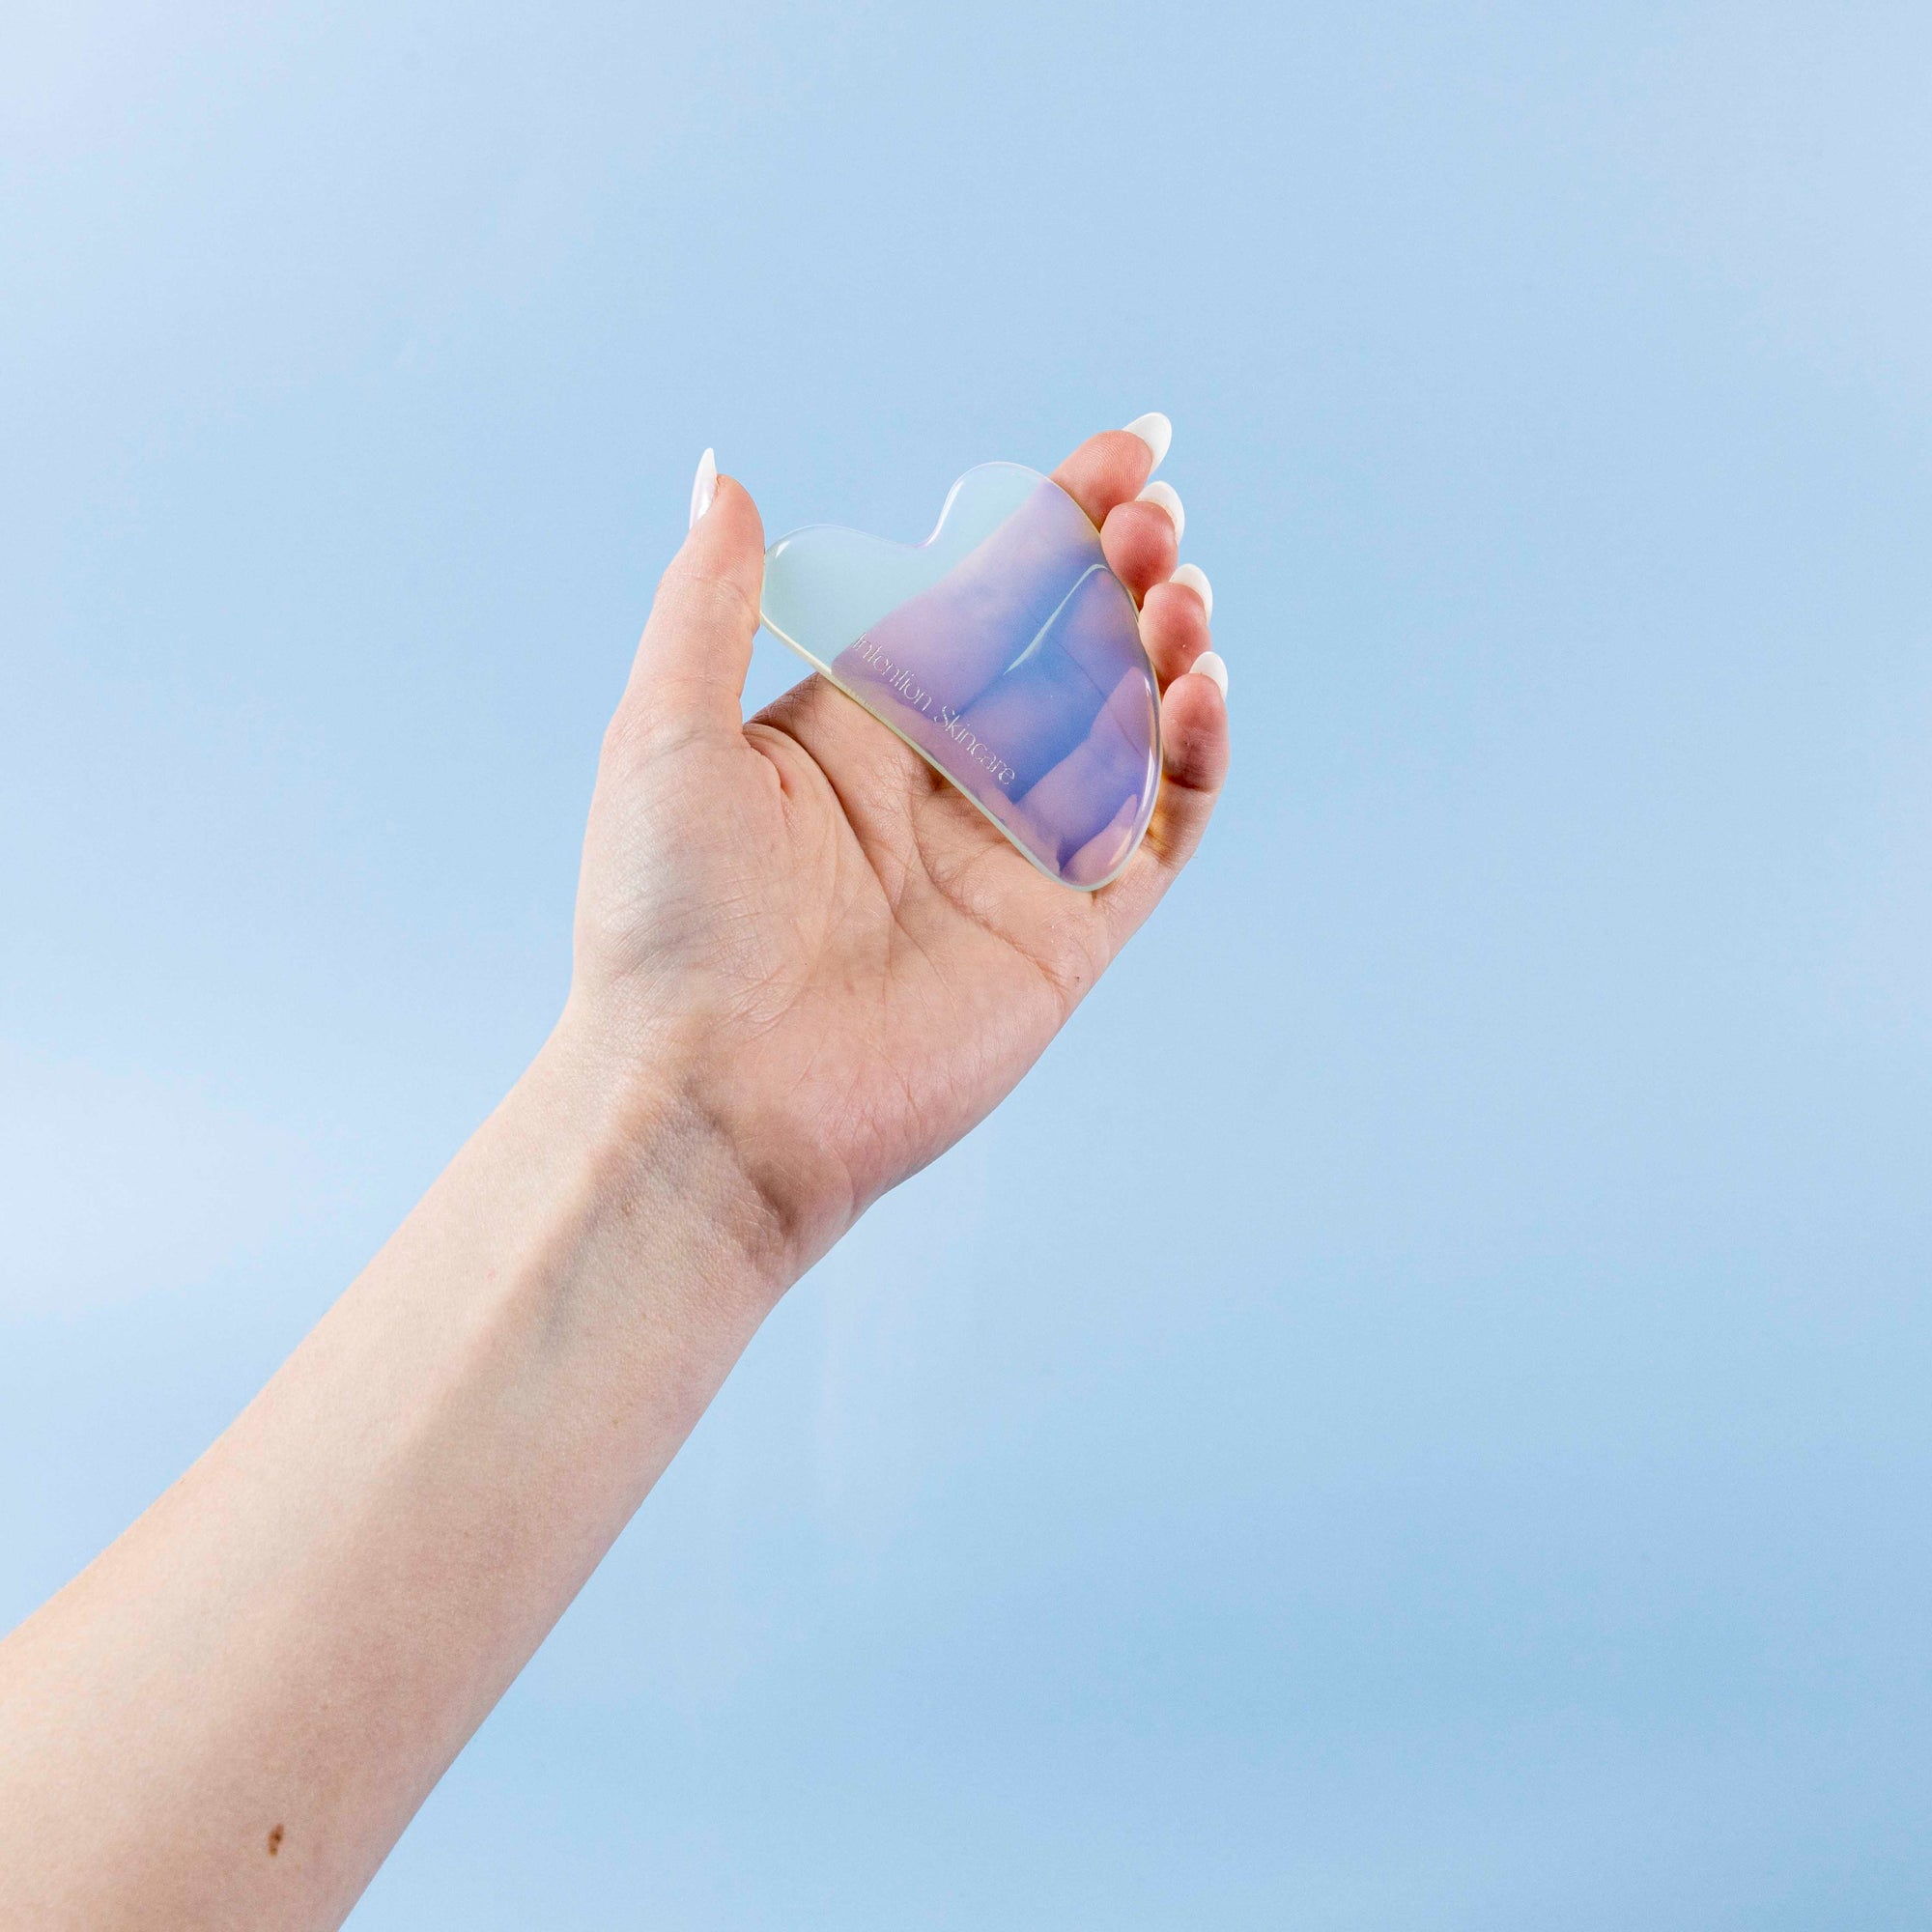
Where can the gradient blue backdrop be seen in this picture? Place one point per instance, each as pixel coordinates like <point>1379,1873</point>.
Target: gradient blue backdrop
<point>1416,1415</point>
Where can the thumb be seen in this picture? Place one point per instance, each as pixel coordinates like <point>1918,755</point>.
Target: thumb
<point>696,646</point>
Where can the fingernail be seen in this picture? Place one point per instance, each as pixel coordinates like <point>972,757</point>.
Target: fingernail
<point>704,487</point>
<point>1209,665</point>
<point>1169,500</point>
<point>1196,580</point>
<point>1155,431</point>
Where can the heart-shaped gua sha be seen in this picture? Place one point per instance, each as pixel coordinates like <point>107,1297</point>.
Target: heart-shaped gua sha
<point>1002,650</point>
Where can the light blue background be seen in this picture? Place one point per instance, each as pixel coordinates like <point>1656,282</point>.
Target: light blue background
<point>1415,1416</point>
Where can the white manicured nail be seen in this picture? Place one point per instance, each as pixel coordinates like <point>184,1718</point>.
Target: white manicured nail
<point>1155,431</point>
<point>1196,580</point>
<point>704,487</point>
<point>1169,500</point>
<point>1208,664</point>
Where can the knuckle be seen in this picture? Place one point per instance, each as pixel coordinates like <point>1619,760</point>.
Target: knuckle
<point>697,593</point>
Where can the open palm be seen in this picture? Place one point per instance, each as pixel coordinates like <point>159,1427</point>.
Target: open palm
<point>848,964</point>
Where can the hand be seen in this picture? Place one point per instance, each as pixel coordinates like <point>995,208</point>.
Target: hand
<point>830,956</point>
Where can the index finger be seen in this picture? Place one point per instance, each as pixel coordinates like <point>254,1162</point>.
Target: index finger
<point>1109,469</point>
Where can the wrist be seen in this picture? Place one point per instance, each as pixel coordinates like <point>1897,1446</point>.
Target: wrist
<point>652,1156</point>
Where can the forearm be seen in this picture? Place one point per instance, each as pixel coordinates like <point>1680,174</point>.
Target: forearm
<point>229,1717</point>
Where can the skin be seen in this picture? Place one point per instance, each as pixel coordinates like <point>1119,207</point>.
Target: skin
<point>803,968</point>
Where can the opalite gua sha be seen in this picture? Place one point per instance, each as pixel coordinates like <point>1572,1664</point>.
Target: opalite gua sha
<point>1002,650</point>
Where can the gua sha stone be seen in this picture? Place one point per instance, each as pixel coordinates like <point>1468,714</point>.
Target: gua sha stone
<point>1002,650</point>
